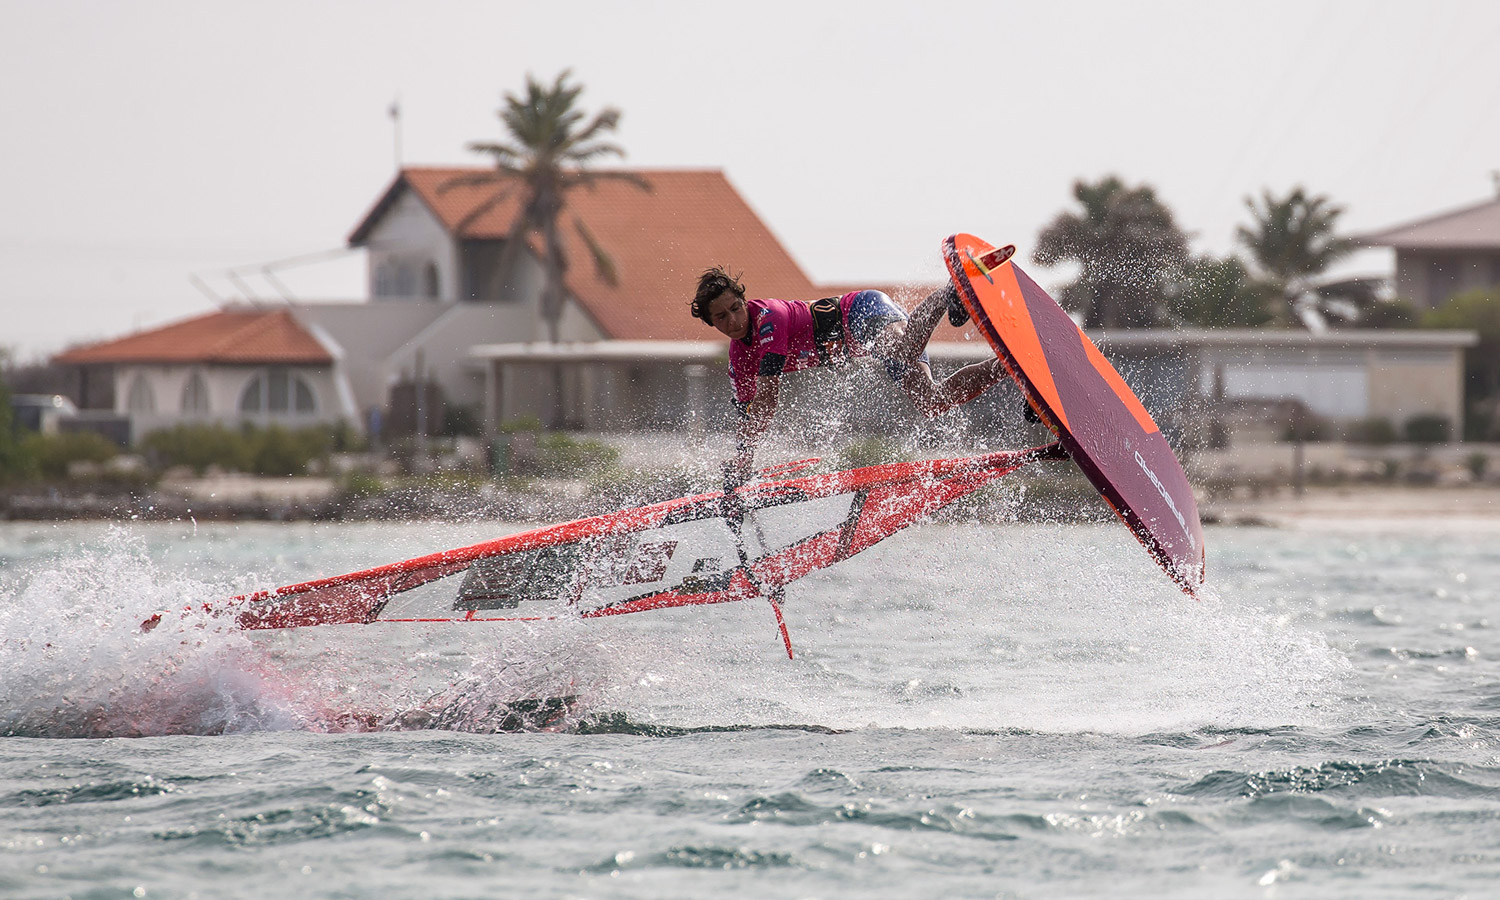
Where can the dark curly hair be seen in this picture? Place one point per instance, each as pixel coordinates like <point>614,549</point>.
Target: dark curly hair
<point>711,284</point>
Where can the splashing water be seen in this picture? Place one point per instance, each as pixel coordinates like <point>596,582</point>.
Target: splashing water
<point>954,626</point>
<point>76,662</point>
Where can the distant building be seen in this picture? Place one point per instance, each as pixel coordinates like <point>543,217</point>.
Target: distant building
<point>232,366</point>
<point>435,242</point>
<point>1446,254</point>
<point>1194,378</point>
<point>443,330</point>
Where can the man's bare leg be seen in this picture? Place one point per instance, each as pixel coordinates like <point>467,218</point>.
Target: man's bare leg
<point>933,399</point>
<point>906,343</point>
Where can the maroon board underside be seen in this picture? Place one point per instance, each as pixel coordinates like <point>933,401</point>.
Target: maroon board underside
<point>1133,468</point>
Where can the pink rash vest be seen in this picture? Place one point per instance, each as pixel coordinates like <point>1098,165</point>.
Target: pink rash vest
<point>778,328</point>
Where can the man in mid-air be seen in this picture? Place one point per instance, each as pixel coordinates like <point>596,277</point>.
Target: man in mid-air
<point>769,338</point>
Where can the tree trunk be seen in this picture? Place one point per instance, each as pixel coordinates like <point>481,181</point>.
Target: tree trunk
<point>553,293</point>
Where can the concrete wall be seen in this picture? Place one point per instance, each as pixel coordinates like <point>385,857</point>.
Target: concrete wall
<point>1410,384</point>
<point>363,336</point>
<point>165,386</point>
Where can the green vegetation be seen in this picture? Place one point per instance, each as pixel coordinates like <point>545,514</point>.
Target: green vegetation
<point>55,453</point>
<point>1127,242</point>
<point>16,461</point>
<point>361,484</point>
<point>1310,428</point>
<point>1391,314</point>
<point>1477,310</point>
<point>1292,242</point>
<point>1218,293</point>
<point>1427,429</point>
<point>561,455</point>
<point>1377,431</point>
<point>528,450</point>
<point>1477,463</point>
<point>870,451</point>
<point>269,450</point>
<point>548,151</point>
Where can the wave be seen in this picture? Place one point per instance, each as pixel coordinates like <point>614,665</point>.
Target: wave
<point>1387,778</point>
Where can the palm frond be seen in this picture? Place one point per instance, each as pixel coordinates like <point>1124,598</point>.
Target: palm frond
<point>471,179</point>
<point>608,119</point>
<point>479,211</point>
<point>604,264</point>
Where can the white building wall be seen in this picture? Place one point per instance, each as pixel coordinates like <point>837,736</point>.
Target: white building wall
<point>225,385</point>
<point>1334,391</point>
<point>402,244</point>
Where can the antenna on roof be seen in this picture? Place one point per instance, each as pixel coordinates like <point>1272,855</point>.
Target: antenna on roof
<point>244,292</point>
<point>238,282</point>
<point>395,112</point>
<point>202,285</point>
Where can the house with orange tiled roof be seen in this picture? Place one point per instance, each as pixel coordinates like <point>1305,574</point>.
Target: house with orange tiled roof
<point>442,321</point>
<point>235,365</point>
<point>632,356</point>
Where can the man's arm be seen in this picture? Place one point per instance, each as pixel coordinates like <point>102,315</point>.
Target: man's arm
<point>756,419</point>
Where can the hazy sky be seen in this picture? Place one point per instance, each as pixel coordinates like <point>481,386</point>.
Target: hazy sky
<point>146,141</point>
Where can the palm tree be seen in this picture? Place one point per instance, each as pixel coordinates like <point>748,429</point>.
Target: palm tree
<point>1127,243</point>
<point>1292,242</point>
<point>546,156</point>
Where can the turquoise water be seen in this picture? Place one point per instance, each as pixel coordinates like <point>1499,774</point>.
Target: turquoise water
<point>975,711</point>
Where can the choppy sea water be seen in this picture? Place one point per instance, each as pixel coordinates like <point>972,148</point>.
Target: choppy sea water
<point>975,711</point>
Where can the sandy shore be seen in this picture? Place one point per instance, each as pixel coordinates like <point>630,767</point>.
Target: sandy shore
<point>1362,503</point>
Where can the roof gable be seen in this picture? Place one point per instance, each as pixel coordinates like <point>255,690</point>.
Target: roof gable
<point>228,337</point>
<point>660,241</point>
<point>1474,227</point>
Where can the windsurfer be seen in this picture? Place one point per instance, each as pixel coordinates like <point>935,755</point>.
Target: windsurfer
<point>769,338</point>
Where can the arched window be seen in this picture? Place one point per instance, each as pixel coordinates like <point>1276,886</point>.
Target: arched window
<point>195,395</point>
<point>431,284</point>
<point>140,398</point>
<point>406,279</point>
<point>385,279</point>
<point>278,391</point>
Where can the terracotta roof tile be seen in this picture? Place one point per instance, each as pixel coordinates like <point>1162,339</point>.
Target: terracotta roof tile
<point>231,336</point>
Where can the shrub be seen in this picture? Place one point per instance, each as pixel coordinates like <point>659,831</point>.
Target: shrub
<point>1391,314</point>
<point>361,484</point>
<point>197,447</point>
<point>282,451</point>
<point>1480,424</point>
<point>1477,463</point>
<point>16,461</point>
<point>461,421</point>
<point>870,451</point>
<point>1307,428</point>
<point>559,455</point>
<point>271,450</point>
<point>55,452</point>
<point>519,424</point>
<point>1428,429</point>
<point>1375,430</point>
